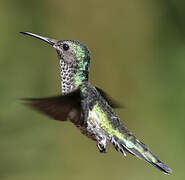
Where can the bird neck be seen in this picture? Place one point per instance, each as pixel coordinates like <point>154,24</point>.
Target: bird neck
<point>72,76</point>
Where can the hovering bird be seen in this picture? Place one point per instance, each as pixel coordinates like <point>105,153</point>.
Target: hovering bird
<point>89,108</point>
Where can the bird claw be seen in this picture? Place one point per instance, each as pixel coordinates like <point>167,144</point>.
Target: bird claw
<point>101,148</point>
<point>102,145</point>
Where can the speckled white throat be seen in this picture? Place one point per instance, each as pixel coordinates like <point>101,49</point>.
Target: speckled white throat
<point>67,72</point>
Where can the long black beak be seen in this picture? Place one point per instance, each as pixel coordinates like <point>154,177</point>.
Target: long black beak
<point>48,40</point>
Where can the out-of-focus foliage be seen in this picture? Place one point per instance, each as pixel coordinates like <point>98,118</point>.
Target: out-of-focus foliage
<point>138,56</point>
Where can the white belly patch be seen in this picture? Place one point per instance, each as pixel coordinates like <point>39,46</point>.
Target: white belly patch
<point>93,126</point>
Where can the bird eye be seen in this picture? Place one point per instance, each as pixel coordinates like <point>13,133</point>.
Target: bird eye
<point>65,47</point>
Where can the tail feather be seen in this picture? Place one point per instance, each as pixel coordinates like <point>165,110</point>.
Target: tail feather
<point>137,148</point>
<point>162,167</point>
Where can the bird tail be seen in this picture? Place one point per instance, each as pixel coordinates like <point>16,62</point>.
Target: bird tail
<point>132,145</point>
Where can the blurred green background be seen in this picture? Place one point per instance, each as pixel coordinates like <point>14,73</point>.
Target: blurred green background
<point>137,56</point>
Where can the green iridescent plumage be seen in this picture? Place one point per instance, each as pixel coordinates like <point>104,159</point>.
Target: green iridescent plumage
<point>122,138</point>
<point>89,108</point>
<point>83,60</point>
<point>105,123</point>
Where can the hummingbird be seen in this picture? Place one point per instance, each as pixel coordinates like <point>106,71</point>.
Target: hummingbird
<point>88,107</point>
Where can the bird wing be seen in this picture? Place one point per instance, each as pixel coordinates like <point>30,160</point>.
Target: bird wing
<point>62,108</point>
<point>112,102</point>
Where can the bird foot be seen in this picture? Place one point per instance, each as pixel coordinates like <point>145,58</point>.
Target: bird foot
<point>102,146</point>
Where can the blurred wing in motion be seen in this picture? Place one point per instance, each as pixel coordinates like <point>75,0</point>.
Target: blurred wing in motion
<point>113,103</point>
<point>62,108</point>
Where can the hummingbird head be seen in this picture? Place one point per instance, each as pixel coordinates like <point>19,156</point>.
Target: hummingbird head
<point>74,59</point>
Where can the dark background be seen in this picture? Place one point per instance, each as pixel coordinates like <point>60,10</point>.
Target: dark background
<point>137,56</point>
